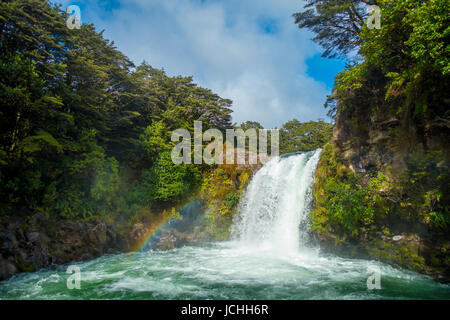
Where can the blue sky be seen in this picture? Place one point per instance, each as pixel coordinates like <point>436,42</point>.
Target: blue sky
<point>249,51</point>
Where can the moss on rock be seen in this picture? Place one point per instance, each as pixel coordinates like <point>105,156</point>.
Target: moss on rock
<point>376,216</point>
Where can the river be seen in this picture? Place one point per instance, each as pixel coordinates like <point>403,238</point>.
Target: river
<point>272,255</point>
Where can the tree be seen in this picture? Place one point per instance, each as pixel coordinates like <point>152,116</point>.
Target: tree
<point>296,136</point>
<point>80,125</point>
<point>167,182</point>
<point>251,125</point>
<point>394,99</point>
<point>336,23</point>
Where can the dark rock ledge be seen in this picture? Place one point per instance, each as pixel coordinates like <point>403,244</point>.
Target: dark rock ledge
<point>34,243</point>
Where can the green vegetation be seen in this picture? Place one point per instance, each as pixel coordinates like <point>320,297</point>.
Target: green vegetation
<point>408,58</point>
<point>83,131</point>
<point>336,23</point>
<point>169,182</point>
<point>350,202</point>
<point>387,171</point>
<point>221,190</point>
<point>367,211</point>
<point>296,136</point>
<point>251,125</point>
<point>86,133</point>
<point>338,203</point>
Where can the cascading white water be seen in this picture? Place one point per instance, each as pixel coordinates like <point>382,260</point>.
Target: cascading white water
<point>266,261</point>
<point>274,213</point>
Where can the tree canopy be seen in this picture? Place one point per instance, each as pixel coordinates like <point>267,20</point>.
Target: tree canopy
<point>296,136</point>
<point>83,130</point>
<point>336,23</point>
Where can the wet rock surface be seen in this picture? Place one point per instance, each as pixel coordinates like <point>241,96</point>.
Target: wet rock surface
<point>34,243</point>
<point>171,238</point>
<point>408,250</point>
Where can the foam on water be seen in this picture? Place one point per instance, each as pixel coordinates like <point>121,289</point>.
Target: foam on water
<point>268,258</point>
<point>274,213</point>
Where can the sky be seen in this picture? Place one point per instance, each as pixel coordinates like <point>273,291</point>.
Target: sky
<point>249,51</point>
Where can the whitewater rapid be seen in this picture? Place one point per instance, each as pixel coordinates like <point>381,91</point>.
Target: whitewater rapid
<point>274,213</point>
<point>270,256</point>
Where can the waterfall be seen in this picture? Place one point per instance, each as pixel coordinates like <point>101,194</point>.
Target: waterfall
<point>274,213</point>
<point>267,260</point>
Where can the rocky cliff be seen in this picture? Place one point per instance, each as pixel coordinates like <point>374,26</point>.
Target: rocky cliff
<point>382,188</point>
<point>30,244</point>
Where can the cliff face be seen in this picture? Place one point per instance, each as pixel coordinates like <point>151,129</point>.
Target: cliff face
<point>383,138</point>
<point>31,244</point>
<point>382,189</point>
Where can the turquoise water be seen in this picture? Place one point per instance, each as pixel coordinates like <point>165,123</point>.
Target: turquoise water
<point>272,256</point>
<point>224,271</point>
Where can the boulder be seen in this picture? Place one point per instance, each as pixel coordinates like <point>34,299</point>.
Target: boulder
<point>7,269</point>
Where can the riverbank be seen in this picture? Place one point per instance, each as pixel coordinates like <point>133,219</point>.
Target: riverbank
<point>271,256</point>
<point>30,244</point>
<point>361,215</point>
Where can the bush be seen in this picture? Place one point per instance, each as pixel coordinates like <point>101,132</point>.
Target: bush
<point>168,182</point>
<point>349,204</point>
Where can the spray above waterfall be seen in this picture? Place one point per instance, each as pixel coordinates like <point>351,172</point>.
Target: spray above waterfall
<point>274,213</point>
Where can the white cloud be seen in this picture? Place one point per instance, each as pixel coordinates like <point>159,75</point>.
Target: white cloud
<point>223,44</point>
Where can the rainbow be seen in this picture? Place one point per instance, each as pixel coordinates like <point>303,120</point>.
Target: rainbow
<point>153,230</point>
